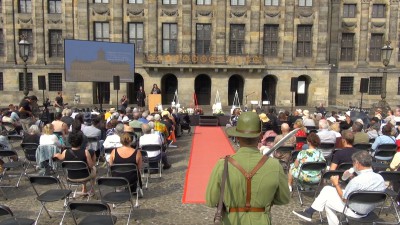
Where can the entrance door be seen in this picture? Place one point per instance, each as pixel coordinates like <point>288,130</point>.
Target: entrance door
<point>202,88</point>
<point>133,88</point>
<point>169,84</point>
<point>269,89</point>
<point>235,83</point>
<point>101,92</point>
<point>303,83</point>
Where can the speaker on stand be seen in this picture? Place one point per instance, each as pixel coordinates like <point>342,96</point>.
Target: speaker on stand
<point>293,88</point>
<point>363,89</point>
<point>116,87</point>
<point>45,117</point>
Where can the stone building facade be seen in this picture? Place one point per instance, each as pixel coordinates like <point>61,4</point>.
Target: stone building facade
<point>199,47</point>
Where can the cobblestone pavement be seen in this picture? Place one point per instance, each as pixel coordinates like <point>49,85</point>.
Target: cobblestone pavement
<point>162,202</point>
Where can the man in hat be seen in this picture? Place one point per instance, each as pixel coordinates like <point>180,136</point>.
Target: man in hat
<point>347,123</point>
<point>268,185</point>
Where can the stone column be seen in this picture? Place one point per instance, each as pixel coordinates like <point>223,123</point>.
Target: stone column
<point>288,37</point>
<point>363,47</point>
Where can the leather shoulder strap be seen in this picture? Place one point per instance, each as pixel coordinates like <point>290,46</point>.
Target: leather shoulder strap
<point>248,175</point>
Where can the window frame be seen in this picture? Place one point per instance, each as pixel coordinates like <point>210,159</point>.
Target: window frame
<point>236,44</point>
<point>271,2</point>
<point>203,39</point>
<point>305,3</point>
<point>375,47</point>
<point>58,45</point>
<point>101,1</point>
<point>28,34</point>
<point>347,47</point>
<point>346,86</point>
<point>21,81</point>
<point>172,41</point>
<point>349,10</point>
<point>2,43</point>
<point>398,86</point>
<point>136,39</point>
<point>55,81</point>
<point>203,2</point>
<point>303,40</point>
<point>378,11</point>
<point>135,1</point>
<point>52,10</point>
<point>24,6</point>
<point>102,38</point>
<point>238,2</point>
<point>271,40</point>
<point>1,81</point>
<point>169,2</point>
<point>375,86</point>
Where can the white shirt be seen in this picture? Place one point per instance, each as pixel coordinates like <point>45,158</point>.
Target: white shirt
<point>112,141</point>
<point>46,139</point>
<point>151,139</point>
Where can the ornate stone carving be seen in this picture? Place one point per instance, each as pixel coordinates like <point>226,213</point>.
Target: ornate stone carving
<point>378,24</point>
<point>366,1</point>
<point>204,13</point>
<point>101,9</point>
<point>169,13</point>
<point>273,14</point>
<point>135,12</point>
<point>54,18</point>
<point>306,14</point>
<point>349,25</point>
<point>238,14</point>
<point>25,18</point>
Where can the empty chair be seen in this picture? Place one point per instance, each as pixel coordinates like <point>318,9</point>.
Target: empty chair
<point>383,155</point>
<point>363,197</point>
<point>100,213</point>
<point>10,166</point>
<point>30,154</point>
<point>116,190</point>
<point>392,177</point>
<point>53,194</point>
<point>5,211</point>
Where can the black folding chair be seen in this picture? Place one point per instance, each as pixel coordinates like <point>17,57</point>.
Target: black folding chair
<point>344,166</point>
<point>120,192</point>
<point>327,149</point>
<point>5,211</point>
<point>100,213</point>
<point>130,172</point>
<point>363,197</point>
<point>30,154</point>
<point>301,140</point>
<point>366,147</point>
<point>308,166</point>
<point>10,165</point>
<point>383,155</point>
<point>94,146</point>
<point>285,150</point>
<point>57,193</point>
<point>77,170</point>
<point>155,163</point>
<point>270,139</point>
<point>392,177</point>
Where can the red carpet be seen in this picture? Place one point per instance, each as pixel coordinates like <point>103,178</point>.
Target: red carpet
<point>209,144</point>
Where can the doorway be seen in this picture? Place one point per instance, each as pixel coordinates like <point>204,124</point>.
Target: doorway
<point>133,88</point>
<point>301,97</point>
<point>101,92</point>
<point>202,89</point>
<point>235,83</point>
<point>169,84</point>
<point>269,89</point>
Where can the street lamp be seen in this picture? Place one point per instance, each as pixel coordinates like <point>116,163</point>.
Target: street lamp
<point>24,54</point>
<point>386,54</point>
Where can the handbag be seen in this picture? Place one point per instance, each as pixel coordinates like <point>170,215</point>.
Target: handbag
<point>221,207</point>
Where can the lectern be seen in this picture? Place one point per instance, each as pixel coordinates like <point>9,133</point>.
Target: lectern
<point>154,100</point>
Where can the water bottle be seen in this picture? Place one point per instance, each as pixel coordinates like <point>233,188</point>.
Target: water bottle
<point>347,174</point>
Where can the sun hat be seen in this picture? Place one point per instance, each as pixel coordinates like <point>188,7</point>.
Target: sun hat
<point>331,119</point>
<point>348,113</point>
<point>248,126</point>
<point>306,112</point>
<point>112,110</point>
<point>263,117</point>
<point>341,118</point>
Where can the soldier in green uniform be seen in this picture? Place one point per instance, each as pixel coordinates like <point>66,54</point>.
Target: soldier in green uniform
<point>268,186</point>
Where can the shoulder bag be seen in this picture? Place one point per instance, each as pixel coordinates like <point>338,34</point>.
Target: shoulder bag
<point>221,207</point>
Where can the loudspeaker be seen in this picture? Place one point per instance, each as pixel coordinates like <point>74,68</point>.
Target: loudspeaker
<point>116,83</point>
<point>42,82</point>
<point>364,85</point>
<point>293,84</point>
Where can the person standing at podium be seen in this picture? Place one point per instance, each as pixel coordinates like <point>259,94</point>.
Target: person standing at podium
<point>155,89</point>
<point>140,97</point>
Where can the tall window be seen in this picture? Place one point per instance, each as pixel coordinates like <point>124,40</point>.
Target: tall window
<point>170,2</point>
<point>100,1</point>
<point>271,40</point>
<point>56,48</point>
<point>271,2</point>
<point>203,39</point>
<point>375,85</point>
<point>378,11</point>
<point>237,34</point>
<point>398,87</point>
<point>55,82</point>
<point>347,47</point>
<point>203,2</point>
<point>135,1</point>
<point>349,10</point>
<point>54,6</point>
<point>375,46</point>
<point>1,43</point>
<point>346,85</point>
<point>1,82</point>
<point>170,38</point>
<point>305,2</point>
<point>136,36</point>
<point>21,81</point>
<point>304,38</point>
<point>238,2</point>
<point>25,6</point>
<point>1,6</point>
<point>27,34</point>
<point>101,31</point>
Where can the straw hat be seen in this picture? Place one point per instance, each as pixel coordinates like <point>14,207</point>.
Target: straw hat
<point>248,126</point>
<point>263,117</point>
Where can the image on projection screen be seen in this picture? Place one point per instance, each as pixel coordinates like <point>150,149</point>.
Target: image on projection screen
<point>93,61</point>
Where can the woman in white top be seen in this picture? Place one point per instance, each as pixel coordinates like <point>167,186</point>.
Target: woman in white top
<point>47,137</point>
